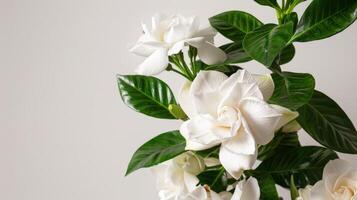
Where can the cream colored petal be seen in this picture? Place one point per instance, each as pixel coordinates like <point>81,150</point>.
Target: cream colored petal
<point>154,64</point>
<point>261,118</point>
<point>186,101</point>
<point>207,52</point>
<point>247,190</point>
<point>333,170</point>
<point>318,192</point>
<point>225,195</point>
<point>287,115</point>
<point>265,84</point>
<point>234,163</point>
<point>176,48</point>
<point>190,181</point>
<point>205,91</point>
<point>291,127</point>
<point>242,143</point>
<point>305,193</point>
<point>199,134</point>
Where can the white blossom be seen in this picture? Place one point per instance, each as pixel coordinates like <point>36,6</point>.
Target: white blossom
<point>168,36</point>
<point>231,111</point>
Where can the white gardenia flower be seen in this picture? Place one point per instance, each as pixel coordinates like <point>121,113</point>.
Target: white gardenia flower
<point>168,36</point>
<point>205,193</point>
<point>177,177</point>
<point>247,190</point>
<point>231,111</point>
<point>339,182</point>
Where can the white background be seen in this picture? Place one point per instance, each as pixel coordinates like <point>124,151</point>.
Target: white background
<point>65,133</point>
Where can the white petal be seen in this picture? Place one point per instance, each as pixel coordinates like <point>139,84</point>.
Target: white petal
<point>185,100</point>
<point>318,192</point>
<point>154,64</point>
<point>190,181</point>
<point>176,48</point>
<point>247,190</point>
<point>291,127</point>
<point>265,84</point>
<point>287,115</point>
<point>238,86</point>
<point>205,91</point>
<point>234,163</point>
<point>305,193</point>
<point>198,194</point>
<point>242,143</point>
<point>261,118</point>
<point>201,133</point>
<point>211,54</point>
<point>143,49</point>
<point>211,162</point>
<point>225,195</point>
<point>333,170</point>
<point>206,32</point>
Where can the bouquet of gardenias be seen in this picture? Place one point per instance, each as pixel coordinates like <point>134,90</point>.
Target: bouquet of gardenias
<point>238,138</point>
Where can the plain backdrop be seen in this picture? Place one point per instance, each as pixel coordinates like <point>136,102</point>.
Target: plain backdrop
<point>66,134</point>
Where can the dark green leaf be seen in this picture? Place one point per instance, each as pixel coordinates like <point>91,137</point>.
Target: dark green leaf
<point>286,55</point>
<point>267,188</point>
<point>328,124</point>
<point>224,68</point>
<point>270,3</point>
<point>279,142</point>
<point>157,150</point>
<point>292,90</point>
<point>147,95</point>
<point>293,18</point>
<point>235,24</point>
<point>265,43</point>
<point>215,178</point>
<point>235,53</point>
<point>211,152</point>
<point>324,18</point>
<point>305,163</point>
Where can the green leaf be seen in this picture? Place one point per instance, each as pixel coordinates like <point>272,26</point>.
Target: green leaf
<point>267,188</point>
<point>324,18</point>
<point>270,3</point>
<point>286,55</point>
<point>305,163</point>
<point>328,124</point>
<point>235,53</point>
<point>280,141</point>
<point>265,43</point>
<point>294,193</point>
<point>224,68</point>
<point>177,111</point>
<point>147,95</point>
<point>292,90</point>
<point>215,178</point>
<point>235,24</point>
<point>157,150</point>
<point>293,18</point>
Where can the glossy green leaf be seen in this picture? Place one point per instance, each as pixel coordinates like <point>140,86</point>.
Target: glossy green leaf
<point>227,69</point>
<point>270,3</point>
<point>293,3</point>
<point>265,43</point>
<point>147,95</point>
<point>286,55</point>
<point>235,53</point>
<point>177,111</point>
<point>305,163</point>
<point>280,141</point>
<point>267,188</point>
<point>292,90</point>
<point>235,24</point>
<point>293,18</point>
<point>324,18</point>
<point>157,150</point>
<point>328,124</point>
<point>215,178</point>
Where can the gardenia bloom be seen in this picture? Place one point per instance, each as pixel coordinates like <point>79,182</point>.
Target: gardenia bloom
<point>231,111</point>
<point>339,182</point>
<point>168,36</point>
<point>177,177</point>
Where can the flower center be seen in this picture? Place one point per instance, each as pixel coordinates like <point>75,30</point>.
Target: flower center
<point>227,116</point>
<point>344,192</point>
